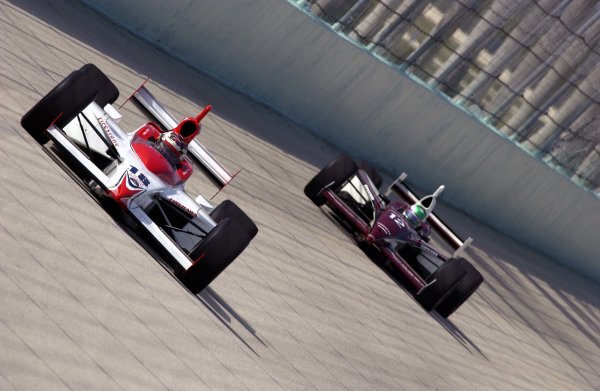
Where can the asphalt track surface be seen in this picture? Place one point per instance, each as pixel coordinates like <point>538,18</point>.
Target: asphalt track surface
<point>84,306</point>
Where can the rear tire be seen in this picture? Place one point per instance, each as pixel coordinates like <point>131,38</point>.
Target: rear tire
<point>371,172</point>
<point>220,247</point>
<point>467,286</point>
<point>446,278</point>
<point>333,175</point>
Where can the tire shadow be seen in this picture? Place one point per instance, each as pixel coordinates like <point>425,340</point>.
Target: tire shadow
<point>225,313</point>
<point>381,261</point>
<point>207,297</point>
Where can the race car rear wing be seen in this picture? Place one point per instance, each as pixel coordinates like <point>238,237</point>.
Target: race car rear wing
<point>214,168</point>
<point>402,189</point>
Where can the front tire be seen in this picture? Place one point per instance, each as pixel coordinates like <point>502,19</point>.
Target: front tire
<point>220,246</point>
<point>333,175</point>
<point>229,209</point>
<point>467,286</point>
<point>441,283</point>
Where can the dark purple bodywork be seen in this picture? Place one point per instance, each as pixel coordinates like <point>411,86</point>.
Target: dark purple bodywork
<point>388,228</point>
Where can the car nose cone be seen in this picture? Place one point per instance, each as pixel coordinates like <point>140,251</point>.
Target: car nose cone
<point>379,231</point>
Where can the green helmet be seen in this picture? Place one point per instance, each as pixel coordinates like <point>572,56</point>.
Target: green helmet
<point>415,215</point>
<point>419,211</point>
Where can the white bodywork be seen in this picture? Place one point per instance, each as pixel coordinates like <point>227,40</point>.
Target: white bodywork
<point>71,139</point>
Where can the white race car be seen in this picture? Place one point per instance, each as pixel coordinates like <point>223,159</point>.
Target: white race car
<point>143,172</point>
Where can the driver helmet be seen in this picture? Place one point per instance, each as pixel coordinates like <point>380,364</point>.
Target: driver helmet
<point>415,215</point>
<point>174,143</point>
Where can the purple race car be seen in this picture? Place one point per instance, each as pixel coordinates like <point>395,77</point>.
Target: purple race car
<point>398,230</point>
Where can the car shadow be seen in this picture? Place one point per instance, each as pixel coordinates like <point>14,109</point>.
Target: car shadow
<point>208,297</point>
<point>225,313</point>
<point>381,261</point>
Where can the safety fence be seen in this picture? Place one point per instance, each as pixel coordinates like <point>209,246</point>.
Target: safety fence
<point>529,68</point>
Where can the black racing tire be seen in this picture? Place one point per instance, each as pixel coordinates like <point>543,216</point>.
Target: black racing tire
<point>371,172</point>
<point>229,209</point>
<point>107,92</point>
<point>67,99</point>
<point>467,286</point>
<point>445,279</point>
<point>335,173</point>
<point>224,243</point>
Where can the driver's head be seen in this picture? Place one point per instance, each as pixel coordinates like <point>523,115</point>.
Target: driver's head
<point>174,143</point>
<point>415,215</point>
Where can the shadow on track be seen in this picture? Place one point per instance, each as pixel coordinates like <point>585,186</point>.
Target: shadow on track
<point>208,297</point>
<point>223,311</point>
<point>403,283</point>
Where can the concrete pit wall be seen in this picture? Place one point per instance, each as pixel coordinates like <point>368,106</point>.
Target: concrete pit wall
<point>276,53</point>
